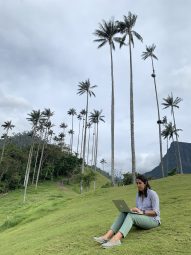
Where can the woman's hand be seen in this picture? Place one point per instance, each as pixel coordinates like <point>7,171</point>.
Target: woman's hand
<point>136,210</point>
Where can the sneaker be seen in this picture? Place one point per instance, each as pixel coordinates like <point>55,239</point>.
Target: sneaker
<point>111,244</point>
<point>100,240</point>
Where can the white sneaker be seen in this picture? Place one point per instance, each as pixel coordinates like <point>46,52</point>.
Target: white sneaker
<point>111,244</point>
<point>100,240</point>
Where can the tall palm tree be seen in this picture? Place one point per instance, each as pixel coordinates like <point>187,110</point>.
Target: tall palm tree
<point>95,117</point>
<point>173,103</point>
<point>168,133</point>
<point>85,87</point>
<point>149,53</point>
<point>103,162</point>
<point>83,113</point>
<point>72,112</point>
<point>7,126</point>
<point>125,27</point>
<point>106,34</point>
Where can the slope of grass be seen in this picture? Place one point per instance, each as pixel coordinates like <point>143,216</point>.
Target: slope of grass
<point>55,220</point>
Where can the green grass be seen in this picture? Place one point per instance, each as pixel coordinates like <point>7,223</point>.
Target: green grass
<point>56,220</point>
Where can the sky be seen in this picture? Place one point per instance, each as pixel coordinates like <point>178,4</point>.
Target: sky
<point>47,48</point>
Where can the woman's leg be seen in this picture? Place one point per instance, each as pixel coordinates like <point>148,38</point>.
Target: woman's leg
<point>115,226</point>
<point>141,221</point>
<point>144,222</point>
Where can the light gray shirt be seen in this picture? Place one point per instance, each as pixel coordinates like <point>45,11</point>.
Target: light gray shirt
<point>151,202</point>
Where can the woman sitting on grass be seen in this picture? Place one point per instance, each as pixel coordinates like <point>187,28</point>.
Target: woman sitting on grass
<point>147,217</point>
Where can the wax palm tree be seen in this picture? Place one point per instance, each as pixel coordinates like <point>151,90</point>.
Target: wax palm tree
<point>103,162</point>
<point>106,35</point>
<point>79,117</point>
<point>7,126</point>
<point>83,113</point>
<point>125,27</point>
<point>149,53</point>
<point>95,117</point>
<point>85,88</point>
<point>173,103</point>
<point>34,118</point>
<point>72,112</point>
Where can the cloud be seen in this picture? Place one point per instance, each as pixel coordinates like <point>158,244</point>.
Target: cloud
<point>10,102</point>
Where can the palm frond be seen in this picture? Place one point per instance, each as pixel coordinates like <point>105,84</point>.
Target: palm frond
<point>138,36</point>
<point>120,40</point>
<point>149,52</point>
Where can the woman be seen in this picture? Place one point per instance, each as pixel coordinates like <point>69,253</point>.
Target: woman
<point>147,217</point>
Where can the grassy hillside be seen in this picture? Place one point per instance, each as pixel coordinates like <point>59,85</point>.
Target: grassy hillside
<point>56,220</point>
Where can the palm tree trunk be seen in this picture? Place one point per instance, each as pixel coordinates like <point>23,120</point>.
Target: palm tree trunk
<point>41,157</point>
<point>175,152</point>
<point>84,145</point>
<point>96,149</point>
<point>132,117</point>
<point>85,130</point>
<point>3,149</point>
<point>81,151</point>
<point>159,124</point>
<point>112,120</point>
<point>78,138</point>
<point>167,155</point>
<point>93,145</point>
<point>34,171</point>
<point>72,135</point>
<point>27,173</point>
<point>88,146</point>
<point>178,148</point>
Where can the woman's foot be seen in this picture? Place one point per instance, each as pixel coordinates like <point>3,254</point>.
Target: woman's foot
<point>100,239</point>
<point>111,244</point>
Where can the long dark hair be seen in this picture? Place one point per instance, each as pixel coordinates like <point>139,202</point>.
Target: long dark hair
<point>147,185</point>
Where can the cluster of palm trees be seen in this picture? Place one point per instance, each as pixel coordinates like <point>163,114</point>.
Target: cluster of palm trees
<point>107,34</point>
<point>86,121</point>
<point>41,133</point>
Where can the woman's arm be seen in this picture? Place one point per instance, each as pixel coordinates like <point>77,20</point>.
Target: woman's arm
<point>145,212</point>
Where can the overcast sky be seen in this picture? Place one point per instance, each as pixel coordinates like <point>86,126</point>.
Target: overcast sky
<point>47,48</point>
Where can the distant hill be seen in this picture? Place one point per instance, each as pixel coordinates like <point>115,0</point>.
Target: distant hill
<point>21,140</point>
<point>170,161</point>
